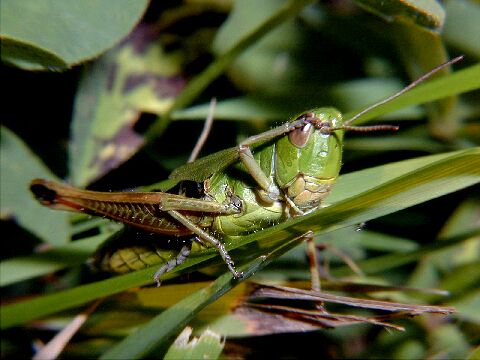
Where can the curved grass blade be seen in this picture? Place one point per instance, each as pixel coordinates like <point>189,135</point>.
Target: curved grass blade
<point>380,191</point>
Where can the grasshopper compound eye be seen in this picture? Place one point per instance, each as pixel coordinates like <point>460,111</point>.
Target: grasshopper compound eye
<point>299,137</point>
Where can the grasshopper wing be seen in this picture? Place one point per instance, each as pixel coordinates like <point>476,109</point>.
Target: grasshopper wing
<point>145,210</point>
<point>203,168</point>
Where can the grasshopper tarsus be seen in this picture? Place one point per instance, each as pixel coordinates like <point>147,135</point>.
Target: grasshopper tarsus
<point>239,275</point>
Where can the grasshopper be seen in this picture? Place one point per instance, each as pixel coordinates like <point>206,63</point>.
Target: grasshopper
<point>268,178</point>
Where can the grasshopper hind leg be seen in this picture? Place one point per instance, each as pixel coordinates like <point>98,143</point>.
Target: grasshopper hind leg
<point>173,263</point>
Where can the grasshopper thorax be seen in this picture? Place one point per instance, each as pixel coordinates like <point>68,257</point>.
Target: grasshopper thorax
<point>308,160</point>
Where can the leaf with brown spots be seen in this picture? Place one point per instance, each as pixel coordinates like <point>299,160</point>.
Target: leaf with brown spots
<point>136,76</point>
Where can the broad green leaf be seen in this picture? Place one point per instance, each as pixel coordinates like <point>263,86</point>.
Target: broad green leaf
<point>18,166</point>
<point>61,33</point>
<point>426,13</point>
<point>136,76</point>
<point>358,197</point>
<point>279,64</point>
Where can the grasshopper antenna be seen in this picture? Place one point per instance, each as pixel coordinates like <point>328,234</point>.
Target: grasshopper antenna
<point>391,97</point>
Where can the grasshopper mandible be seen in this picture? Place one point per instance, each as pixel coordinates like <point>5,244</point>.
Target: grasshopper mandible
<point>292,169</point>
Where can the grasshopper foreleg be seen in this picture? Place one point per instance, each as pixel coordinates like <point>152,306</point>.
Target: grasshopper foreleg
<point>209,238</point>
<point>246,157</point>
<point>254,169</point>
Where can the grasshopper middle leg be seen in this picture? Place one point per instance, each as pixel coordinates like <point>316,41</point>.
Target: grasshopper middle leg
<point>210,239</point>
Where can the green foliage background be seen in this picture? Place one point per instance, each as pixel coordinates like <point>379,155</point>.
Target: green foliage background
<point>112,95</point>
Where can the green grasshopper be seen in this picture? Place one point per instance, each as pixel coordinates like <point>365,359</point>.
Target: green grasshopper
<point>291,171</point>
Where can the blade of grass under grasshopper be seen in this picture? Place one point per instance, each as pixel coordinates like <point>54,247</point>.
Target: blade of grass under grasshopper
<point>379,190</point>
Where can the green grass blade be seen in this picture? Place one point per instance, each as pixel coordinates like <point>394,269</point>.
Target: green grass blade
<point>27,267</point>
<point>383,190</point>
<point>455,83</point>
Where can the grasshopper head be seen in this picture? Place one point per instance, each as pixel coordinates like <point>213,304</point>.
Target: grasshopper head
<point>309,158</point>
